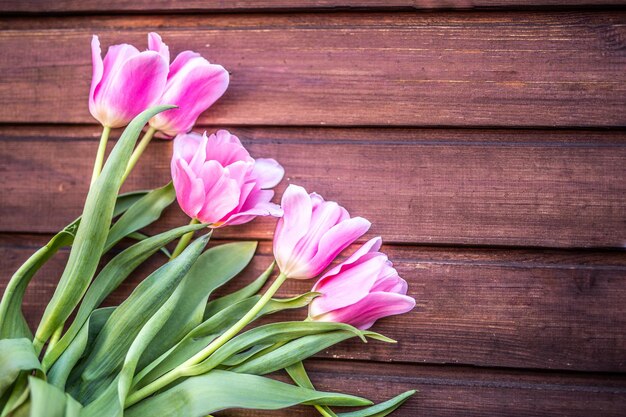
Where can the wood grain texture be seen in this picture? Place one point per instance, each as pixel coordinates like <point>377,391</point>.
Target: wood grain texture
<point>459,391</point>
<point>188,6</point>
<point>505,308</point>
<point>470,187</point>
<point>445,69</point>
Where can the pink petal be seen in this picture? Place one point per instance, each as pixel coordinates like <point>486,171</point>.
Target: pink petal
<point>268,172</point>
<point>155,43</point>
<point>180,61</point>
<point>297,207</point>
<point>374,306</point>
<point>371,246</point>
<point>221,198</point>
<point>227,149</point>
<point>336,240</point>
<point>97,72</point>
<point>185,145</point>
<point>189,188</point>
<point>347,288</point>
<point>134,87</point>
<point>194,88</point>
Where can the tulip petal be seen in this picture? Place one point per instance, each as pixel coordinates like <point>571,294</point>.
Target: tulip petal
<point>268,172</point>
<point>227,149</point>
<point>185,146</point>
<point>371,246</point>
<point>97,71</point>
<point>347,288</point>
<point>155,43</point>
<point>337,239</point>
<point>194,88</point>
<point>189,188</point>
<point>297,207</point>
<point>133,88</point>
<point>372,307</point>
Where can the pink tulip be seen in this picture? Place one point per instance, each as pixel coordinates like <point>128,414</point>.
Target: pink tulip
<point>312,233</point>
<point>361,290</point>
<point>218,182</point>
<point>193,84</point>
<point>127,82</point>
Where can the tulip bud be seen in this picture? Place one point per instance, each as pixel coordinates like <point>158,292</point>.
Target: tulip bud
<point>312,233</point>
<point>218,182</point>
<point>193,84</point>
<point>127,82</point>
<point>361,290</point>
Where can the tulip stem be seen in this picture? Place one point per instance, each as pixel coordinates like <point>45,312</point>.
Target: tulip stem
<point>186,368</point>
<point>102,148</point>
<point>184,241</point>
<point>143,144</point>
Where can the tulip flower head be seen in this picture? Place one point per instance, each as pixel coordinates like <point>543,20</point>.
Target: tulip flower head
<point>312,233</point>
<point>218,182</point>
<point>193,84</point>
<point>361,290</point>
<point>127,81</point>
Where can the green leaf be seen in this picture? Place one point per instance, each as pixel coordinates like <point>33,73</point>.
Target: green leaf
<point>212,269</point>
<point>92,232</point>
<point>127,320</point>
<point>72,353</point>
<point>47,400</point>
<point>16,355</point>
<point>381,410</point>
<point>111,276</point>
<point>270,333</point>
<point>292,352</point>
<point>106,405</point>
<point>204,333</point>
<point>220,390</point>
<point>12,321</point>
<point>300,377</point>
<point>248,291</point>
<point>142,213</point>
<point>140,236</point>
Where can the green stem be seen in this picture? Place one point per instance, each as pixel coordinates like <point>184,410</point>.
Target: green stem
<point>184,241</point>
<point>143,144</point>
<point>184,368</point>
<point>102,147</point>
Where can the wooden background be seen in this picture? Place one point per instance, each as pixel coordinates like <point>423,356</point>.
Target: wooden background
<point>485,140</point>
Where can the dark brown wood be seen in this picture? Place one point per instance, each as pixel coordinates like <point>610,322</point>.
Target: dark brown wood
<point>452,69</point>
<point>506,308</point>
<point>416,186</point>
<point>457,391</point>
<point>189,6</point>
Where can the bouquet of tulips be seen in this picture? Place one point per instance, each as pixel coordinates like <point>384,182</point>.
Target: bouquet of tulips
<point>171,348</point>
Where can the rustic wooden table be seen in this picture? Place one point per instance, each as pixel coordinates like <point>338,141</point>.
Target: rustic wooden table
<point>487,147</point>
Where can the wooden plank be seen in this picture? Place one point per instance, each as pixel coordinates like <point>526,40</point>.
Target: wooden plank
<point>444,69</point>
<point>470,187</point>
<point>483,307</point>
<point>187,6</point>
<point>454,391</point>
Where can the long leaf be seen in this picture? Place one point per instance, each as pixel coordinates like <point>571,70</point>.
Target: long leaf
<point>12,321</point>
<point>72,353</point>
<point>127,320</point>
<point>16,355</point>
<point>212,269</point>
<point>111,276</point>
<point>217,305</point>
<point>112,405</point>
<point>220,390</point>
<point>275,333</point>
<point>92,232</point>
<point>142,213</point>
<point>300,377</point>
<point>210,329</point>
<point>47,400</point>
